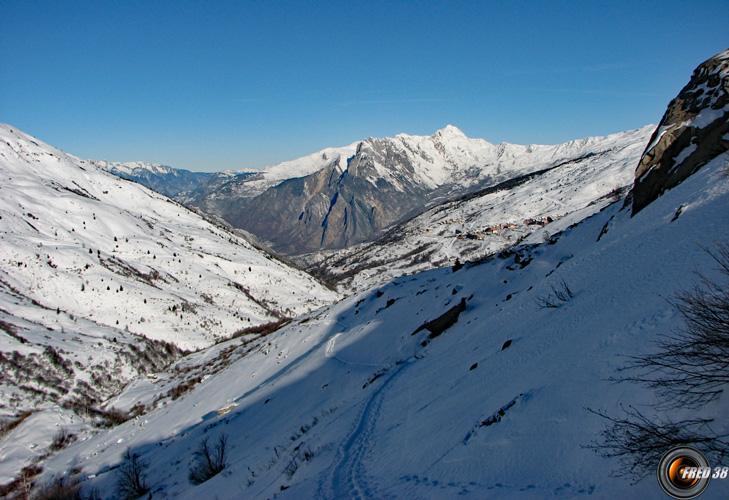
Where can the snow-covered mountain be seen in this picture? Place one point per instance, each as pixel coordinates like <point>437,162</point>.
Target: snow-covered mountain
<point>102,280</point>
<point>176,183</point>
<point>491,219</point>
<point>350,403</point>
<point>468,381</point>
<point>341,197</point>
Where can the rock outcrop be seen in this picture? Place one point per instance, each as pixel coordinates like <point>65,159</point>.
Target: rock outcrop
<point>693,131</point>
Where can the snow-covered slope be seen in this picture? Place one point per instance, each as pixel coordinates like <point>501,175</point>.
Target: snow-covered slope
<point>489,220</point>
<point>102,280</point>
<point>301,167</point>
<point>358,401</point>
<point>79,239</point>
<point>451,383</point>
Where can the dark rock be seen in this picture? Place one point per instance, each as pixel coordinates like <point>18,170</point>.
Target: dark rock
<point>692,132</point>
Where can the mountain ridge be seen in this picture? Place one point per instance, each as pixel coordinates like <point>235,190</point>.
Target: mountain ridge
<point>344,203</point>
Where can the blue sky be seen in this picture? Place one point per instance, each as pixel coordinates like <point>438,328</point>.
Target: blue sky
<point>217,85</point>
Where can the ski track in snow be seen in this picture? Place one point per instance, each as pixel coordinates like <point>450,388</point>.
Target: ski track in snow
<point>348,477</point>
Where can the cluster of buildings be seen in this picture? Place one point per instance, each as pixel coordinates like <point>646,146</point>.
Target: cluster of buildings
<point>479,234</point>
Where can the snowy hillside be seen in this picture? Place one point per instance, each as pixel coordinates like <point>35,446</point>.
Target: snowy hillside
<point>84,241</point>
<point>360,400</point>
<point>491,219</point>
<point>478,380</point>
<point>102,280</point>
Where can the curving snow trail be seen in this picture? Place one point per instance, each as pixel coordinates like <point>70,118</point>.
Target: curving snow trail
<point>348,477</point>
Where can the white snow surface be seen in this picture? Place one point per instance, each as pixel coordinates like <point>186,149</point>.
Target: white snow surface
<point>68,225</point>
<point>347,403</point>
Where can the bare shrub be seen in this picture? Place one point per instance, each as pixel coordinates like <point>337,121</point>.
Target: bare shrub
<point>184,387</point>
<point>12,423</point>
<point>691,367</point>
<point>639,442</point>
<point>59,488</point>
<point>209,461</point>
<point>131,481</point>
<point>262,330</point>
<point>62,439</point>
<point>559,295</point>
<point>20,486</point>
<point>113,417</point>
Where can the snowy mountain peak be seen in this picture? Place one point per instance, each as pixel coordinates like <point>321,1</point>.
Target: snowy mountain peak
<point>340,197</point>
<point>450,131</point>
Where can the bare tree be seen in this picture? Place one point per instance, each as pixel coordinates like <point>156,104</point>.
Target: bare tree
<point>209,461</point>
<point>131,480</point>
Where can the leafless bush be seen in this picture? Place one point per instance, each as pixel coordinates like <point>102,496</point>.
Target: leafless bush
<point>20,486</point>
<point>11,423</point>
<point>59,488</point>
<point>262,330</point>
<point>111,417</point>
<point>301,456</point>
<point>62,439</point>
<point>691,367</point>
<point>559,295</point>
<point>209,461</point>
<point>639,442</point>
<point>184,387</point>
<point>131,481</point>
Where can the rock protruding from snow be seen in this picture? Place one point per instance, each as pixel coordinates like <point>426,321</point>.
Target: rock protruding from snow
<point>694,130</point>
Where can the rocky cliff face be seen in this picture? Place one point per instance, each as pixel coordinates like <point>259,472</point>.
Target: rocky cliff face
<point>330,208</point>
<point>693,131</point>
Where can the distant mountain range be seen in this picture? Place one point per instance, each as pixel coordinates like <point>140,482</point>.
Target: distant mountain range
<point>340,197</point>
<point>169,181</point>
<point>526,207</point>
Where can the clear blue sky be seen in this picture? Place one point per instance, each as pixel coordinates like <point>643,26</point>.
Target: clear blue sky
<point>216,85</point>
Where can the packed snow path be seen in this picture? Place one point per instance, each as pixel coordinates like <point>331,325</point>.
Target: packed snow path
<point>349,479</point>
